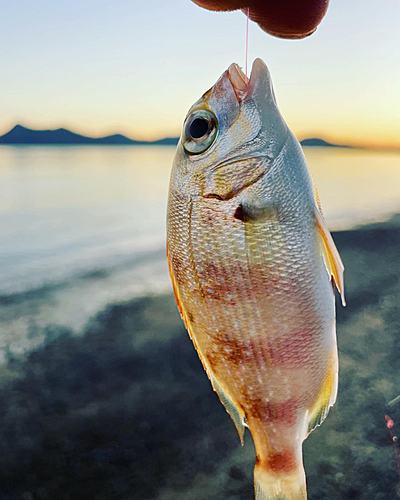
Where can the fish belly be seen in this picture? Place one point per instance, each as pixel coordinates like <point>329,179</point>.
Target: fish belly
<point>259,307</point>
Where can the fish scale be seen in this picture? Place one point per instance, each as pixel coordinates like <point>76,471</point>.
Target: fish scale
<point>251,263</point>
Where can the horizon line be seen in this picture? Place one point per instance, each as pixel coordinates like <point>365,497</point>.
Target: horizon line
<point>323,136</point>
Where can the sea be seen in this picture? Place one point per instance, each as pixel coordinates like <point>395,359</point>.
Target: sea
<point>83,227</point>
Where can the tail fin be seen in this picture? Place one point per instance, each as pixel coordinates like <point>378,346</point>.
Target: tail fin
<point>282,486</point>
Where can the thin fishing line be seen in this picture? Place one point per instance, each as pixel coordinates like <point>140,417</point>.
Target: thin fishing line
<point>247,38</point>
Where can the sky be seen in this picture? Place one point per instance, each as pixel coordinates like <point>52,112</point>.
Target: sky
<point>136,67</point>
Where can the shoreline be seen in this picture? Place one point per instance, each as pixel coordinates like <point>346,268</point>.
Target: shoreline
<point>123,410</point>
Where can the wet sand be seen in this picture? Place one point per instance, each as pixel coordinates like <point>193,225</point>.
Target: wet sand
<point>124,410</point>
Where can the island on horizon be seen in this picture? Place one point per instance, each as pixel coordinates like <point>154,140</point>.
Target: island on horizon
<point>61,136</point>
<point>20,135</point>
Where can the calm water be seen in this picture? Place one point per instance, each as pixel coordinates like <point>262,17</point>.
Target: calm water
<point>82,227</point>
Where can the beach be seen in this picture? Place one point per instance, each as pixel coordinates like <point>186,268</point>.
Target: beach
<point>122,409</point>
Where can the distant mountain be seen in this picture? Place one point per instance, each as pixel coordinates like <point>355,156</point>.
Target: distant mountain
<point>315,141</point>
<point>24,135</point>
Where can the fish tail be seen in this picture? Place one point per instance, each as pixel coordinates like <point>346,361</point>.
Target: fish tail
<point>270,485</point>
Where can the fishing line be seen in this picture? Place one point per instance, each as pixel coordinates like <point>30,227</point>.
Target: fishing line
<point>247,38</point>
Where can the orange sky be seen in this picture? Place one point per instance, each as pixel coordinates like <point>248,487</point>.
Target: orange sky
<point>136,69</point>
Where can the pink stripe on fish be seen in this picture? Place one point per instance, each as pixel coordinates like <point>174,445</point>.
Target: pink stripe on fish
<point>275,412</point>
<point>295,349</point>
<point>285,461</point>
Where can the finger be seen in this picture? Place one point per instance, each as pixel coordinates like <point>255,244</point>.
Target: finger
<point>288,18</point>
<point>281,18</point>
<point>221,4</point>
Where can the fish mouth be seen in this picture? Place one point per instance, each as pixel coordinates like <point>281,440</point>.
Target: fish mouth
<point>241,83</point>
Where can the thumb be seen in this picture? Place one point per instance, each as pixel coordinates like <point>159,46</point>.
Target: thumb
<point>281,18</point>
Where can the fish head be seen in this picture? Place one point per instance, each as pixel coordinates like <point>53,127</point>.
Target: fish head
<point>231,135</point>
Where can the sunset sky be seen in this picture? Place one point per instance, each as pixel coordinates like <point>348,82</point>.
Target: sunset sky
<point>136,67</point>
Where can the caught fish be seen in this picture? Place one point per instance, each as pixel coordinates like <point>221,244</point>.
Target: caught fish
<point>254,268</point>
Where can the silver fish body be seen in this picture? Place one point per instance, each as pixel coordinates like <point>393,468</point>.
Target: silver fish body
<point>252,266</point>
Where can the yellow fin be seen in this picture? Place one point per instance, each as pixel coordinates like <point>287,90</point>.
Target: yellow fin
<point>270,486</point>
<point>235,414</point>
<point>332,258</point>
<point>316,196</point>
<point>175,288</point>
<point>326,397</point>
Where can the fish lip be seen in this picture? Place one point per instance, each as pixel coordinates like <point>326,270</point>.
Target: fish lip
<point>239,81</point>
<point>243,86</point>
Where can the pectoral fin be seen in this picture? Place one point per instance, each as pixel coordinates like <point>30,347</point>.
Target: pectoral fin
<point>332,258</point>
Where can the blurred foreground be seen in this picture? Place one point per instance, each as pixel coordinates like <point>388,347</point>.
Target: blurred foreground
<point>124,410</point>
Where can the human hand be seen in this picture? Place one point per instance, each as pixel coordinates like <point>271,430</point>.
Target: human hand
<point>281,18</point>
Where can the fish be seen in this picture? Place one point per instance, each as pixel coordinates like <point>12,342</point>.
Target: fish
<point>254,271</point>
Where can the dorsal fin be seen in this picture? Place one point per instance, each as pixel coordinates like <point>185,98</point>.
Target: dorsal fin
<point>332,258</point>
<point>326,397</point>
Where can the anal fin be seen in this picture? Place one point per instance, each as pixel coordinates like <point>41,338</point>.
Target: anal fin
<point>235,414</point>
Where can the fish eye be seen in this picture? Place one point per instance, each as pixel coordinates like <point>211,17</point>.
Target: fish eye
<point>198,128</point>
<point>199,132</point>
